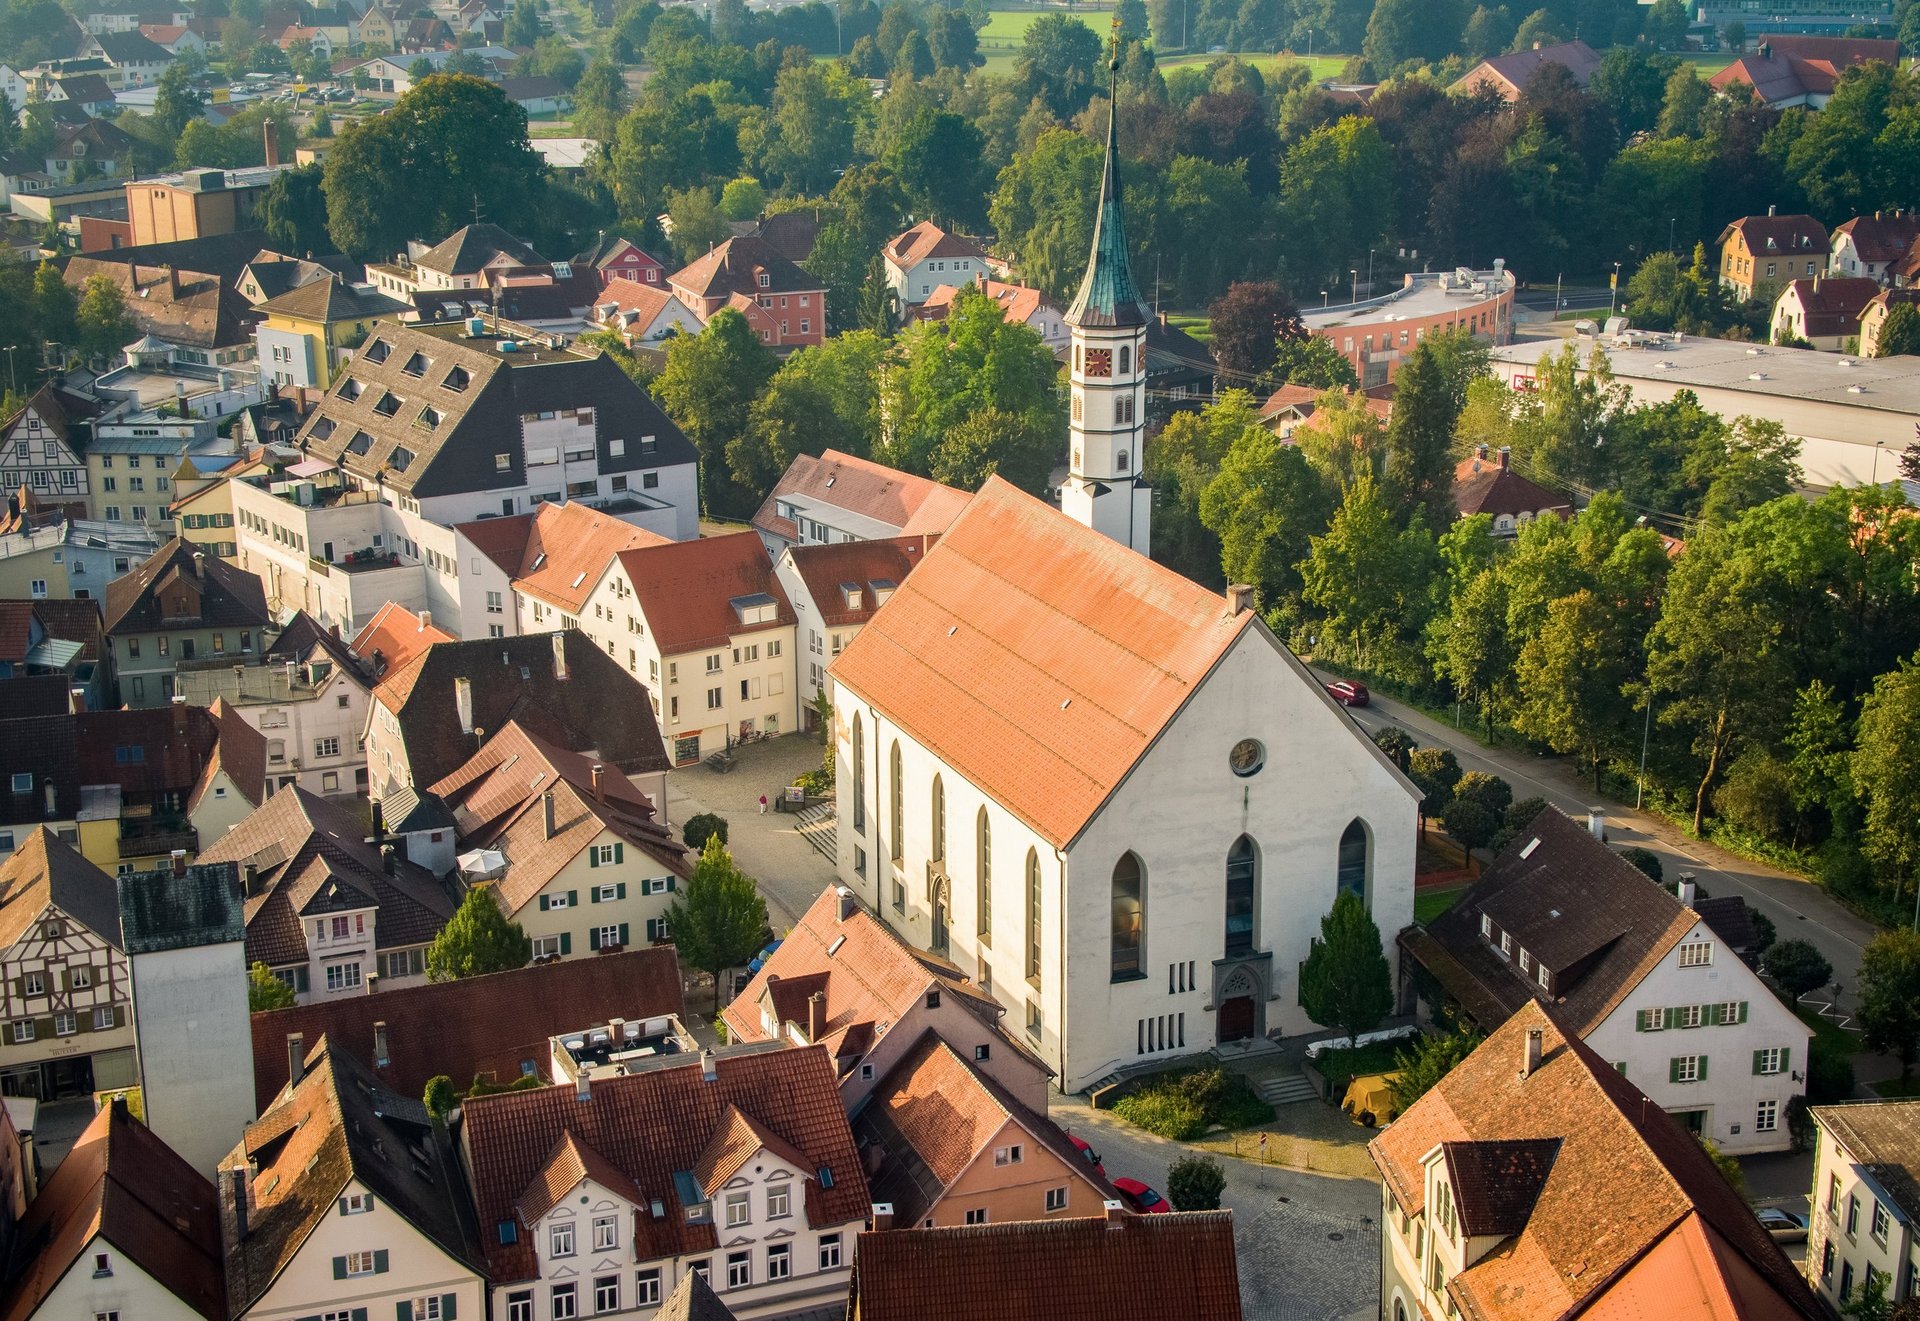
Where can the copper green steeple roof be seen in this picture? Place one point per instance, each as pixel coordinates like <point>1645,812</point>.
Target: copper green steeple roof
<point>1108,295</point>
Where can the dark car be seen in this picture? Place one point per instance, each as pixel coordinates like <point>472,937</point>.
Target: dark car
<point>1348,693</point>
<point>1088,1154</point>
<point>1142,1198</point>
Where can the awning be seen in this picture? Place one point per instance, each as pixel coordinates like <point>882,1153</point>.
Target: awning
<point>54,654</point>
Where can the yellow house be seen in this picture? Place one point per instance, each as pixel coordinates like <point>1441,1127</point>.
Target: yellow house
<point>309,331</point>
<point>204,514</point>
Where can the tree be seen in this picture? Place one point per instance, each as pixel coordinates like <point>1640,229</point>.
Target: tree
<point>102,325</point>
<point>1436,771</point>
<point>1886,777</point>
<point>478,939</point>
<point>1890,997</point>
<point>1796,967</point>
<point>1368,577</point>
<point>953,41</point>
<point>1665,28</point>
<point>1263,507</point>
<point>55,309</point>
<point>1020,449</point>
<point>1570,675</point>
<point>1344,983</point>
<point>293,211</point>
<point>1430,392</point>
<point>721,919</point>
<point>1645,861</point>
<point>1057,61</point>
<point>1729,1168</point>
<point>936,157</point>
<point>1311,361</point>
<point>743,199</point>
<point>701,827</point>
<point>1195,1182</point>
<point>265,991</point>
<point>1734,35</point>
<point>1040,207</point>
<point>1247,321</point>
<point>1398,745</point>
<point>866,208</point>
<point>707,388</point>
<point>1469,822</point>
<point>1421,1065</point>
<point>1899,333</point>
<point>439,1097</point>
<point>176,101</point>
<point>599,101</point>
<point>523,24</point>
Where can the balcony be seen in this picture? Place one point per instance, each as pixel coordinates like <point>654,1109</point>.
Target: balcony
<point>156,836</point>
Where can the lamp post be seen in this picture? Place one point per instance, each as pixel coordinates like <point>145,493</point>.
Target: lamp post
<point>1646,732</point>
<point>1354,275</point>
<point>1613,290</point>
<point>1323,300</point>
<point>1370,252</point>
<point>1670,224</point>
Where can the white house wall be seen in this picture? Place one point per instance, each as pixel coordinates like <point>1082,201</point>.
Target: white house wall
<point>196,1056</point>
<point>126,1291</point>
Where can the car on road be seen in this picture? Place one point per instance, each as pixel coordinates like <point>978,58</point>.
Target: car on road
<point>1785,1226</point>
<point>1142,1198</point>
<point>1348,693</point>
<point>1088,1154</point>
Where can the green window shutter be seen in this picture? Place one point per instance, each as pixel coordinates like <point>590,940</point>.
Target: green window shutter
<point>1703,1069</point>
<point>447,1301</point>
<point>403,1311</point>
<point>566,942</point>
<point>339,1268</point>
<point>1759,1062</point>
<point>593,895</point>
<point>1673,1069</point>
<point>593,937</point>
<point>1743,1011</point>
<point>342,1204</point>
<point>619,852</point>
<point>380,1261</point>
<point>621,890</point>
<point>359,1314</point>
<point>1786,1058</point>
<point>593,855</point>
<point>573,898</point>
<point>1712,1016</point>
<point>543,903</point>
<point>1670,1018</point>
<point>669,882</point>
<point>623,935</point>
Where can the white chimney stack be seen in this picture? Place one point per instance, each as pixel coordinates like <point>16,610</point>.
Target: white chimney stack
<point>1687,889</point>
<point>463,703</point>
<point>1597,823</point>
<point>560,655</point>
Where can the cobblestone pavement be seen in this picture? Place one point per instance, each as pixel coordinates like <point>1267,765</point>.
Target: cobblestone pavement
<point>768,848</point>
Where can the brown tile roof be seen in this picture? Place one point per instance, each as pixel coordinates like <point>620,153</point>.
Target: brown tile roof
<point>338,1124</point>
<point>652,1126</point>
<point>693,1300</point>
<point>1514,71</point>
<point>477,1027</point>
<point>1592,919</point>
<point>792,234</point>
<point>68,752</point>
<point>181,306</point>
<point>644,301</point>
<point>571,1161</point>
<point>311,858</point>
<point>1037,657</point>
<point>1884,1136</point>
<point>171,589</point>
<point>1882,236</point>
<point>1495,1182</point>
<point>74,621</point>
<point>925,240</point>
<point>44,872</point>
<point>1840,52</point>
<point>902,501</point>
<point>871,567</point>
<point>1625,1179</point>
<point>331,299</point>
<point>599,709</point>
<point>1081,1269</point>
<point>395,635</point>
<point>57,410</point>
<point>240,750</point>
<point>1018,304</point>
<point>471,247</point>
<point>1489,486</point>
<point>497,803</point>
<point>687,590</point>
<point>1769,235</point>
<point>735,267</point>
<point>1832,304</point>
<point>735,1141</point>
<point>561,550</point>
<point>127,1187</point>
<point>16,630</point>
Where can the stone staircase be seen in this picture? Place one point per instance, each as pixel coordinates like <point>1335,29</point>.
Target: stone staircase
<point>819,826</point>
<point>1285,1089</point>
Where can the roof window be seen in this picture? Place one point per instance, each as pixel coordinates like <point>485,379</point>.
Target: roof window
<point>457,379</point>
<point>402,458</point>
<point>350,388</point>
<point>360,443</point>
<point>759,608</point>
<point>378,351</point>
<point>417,365</point>
<point>389,404</point>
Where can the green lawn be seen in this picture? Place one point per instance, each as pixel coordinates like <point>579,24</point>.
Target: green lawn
<point>1429,904</point>
<point>1893,1087</point>
<point>1340,1067</point>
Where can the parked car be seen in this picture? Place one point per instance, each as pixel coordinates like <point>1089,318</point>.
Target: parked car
<point>1348,693</point>
<point>1087,1153</point>
<point>1785,1226</point>
<point>1142,1198</point>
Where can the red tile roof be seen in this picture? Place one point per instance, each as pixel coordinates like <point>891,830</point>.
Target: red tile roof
<point>477,1027</point>
<point>735,267</point>
<point>398,635</point>
<point>1488,486</point>
<point>1018,304</point>
<point>16,630</point>
<point>902,501</point>
<point>870,567</point>
<point>1832,304</point>
<point>1178,1265</point>
<point>687,590</point>
<point>571,1161</point>
<point>652,1125</point>
<point>1882,237</point>
<point>127,1187</point>
<point>1778,235</point>
<point>240,751</point>
<point>1626,1179</point>
<point>1512,72</point>
<point>925,240</point>
<point>558,552</point>
<point>644,301</point>
<point>1038,658</point>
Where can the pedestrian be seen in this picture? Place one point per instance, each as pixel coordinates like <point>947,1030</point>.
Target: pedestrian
<point>763,804</point>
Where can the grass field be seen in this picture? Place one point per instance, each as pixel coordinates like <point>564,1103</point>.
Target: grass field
<point>1429,904</point>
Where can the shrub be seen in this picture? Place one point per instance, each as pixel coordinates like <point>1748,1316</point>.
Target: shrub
<point>1494,793</point>
<point>1183,1104</point>
<point>1645,860</point>
<point>699,829</point>
<point>1194,1183</point>
<point>1796,967</point>
<point>1166,1114</point>
<point>440,1097</point>
<point>1514,818</point>
<point>1829,1071</point>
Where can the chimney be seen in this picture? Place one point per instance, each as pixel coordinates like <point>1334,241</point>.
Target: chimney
<point>296,1058</point>
<point>250,880</point>
<point>272,143</point>
<point>709,1069</point>
<point>546,813</point>
<point>1506,457</point>
<point>379,821</point>
<point>1772,210</point>
<point>1480,453</point>
<point>199,564</point>
<point>426,620</point>
<point>53,799</point>
<point>241,1193</point>
<point>1532,1062</point>
<point>1239,599</point>
<point>617,1032</point>
<point>848,904</point>
<point>179,859</point>
<point>1115,1209</point>
<point>882,1216</point>
<point>381,1057</point>
<point>76,701</point>
<point>560,656</point>
<point>583,1085</point>
<point>463,703</point>
<point>388,860</point>
<point>1597,823</point>
<point>599,783</point>
<point>173,284</point>
<point>1687,889</point>
<point>816,1016</point>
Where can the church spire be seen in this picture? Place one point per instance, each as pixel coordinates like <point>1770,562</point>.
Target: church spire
<point>1108,295</point>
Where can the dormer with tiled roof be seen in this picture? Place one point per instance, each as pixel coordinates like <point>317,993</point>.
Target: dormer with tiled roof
<point>926,257</point>
<point>180,605</point>
<point>835,589</point>
<point>554,557</point>
<point>1485,483</point>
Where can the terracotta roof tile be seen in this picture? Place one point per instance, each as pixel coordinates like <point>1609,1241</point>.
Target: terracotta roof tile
<point>870,567</point>
<point>1485,485</point>
<point>1882,237</point>
<point>687,590</point>
<point>47,871</point>
<point>1779,234</point>
<point>1177,1265</point>
<point>906,503</point>
<point>571,1161</point>
<point>734,267</point>
<point>240,751</point>
<point>1018,303</point>
<point>1037,657</point>
<point>397,635</point>
<point>734,1143</point>
<point>568,547</point>
<point>477,1027</point>
<point>653,1125</point>
<point>925,240</point>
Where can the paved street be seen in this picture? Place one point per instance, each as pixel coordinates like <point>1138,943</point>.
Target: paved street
<point>1798,908</point>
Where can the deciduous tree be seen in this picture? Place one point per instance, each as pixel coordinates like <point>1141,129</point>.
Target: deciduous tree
<point>1890,997</point>
<point>265,991</point>
<point>720,919</point>
<point>708,387</point>
<point>479,938</point>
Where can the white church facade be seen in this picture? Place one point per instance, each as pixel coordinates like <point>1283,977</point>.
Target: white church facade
<point>1112,797</point>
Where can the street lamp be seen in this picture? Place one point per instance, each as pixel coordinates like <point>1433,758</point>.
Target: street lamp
<point>1613,291</point>
<point>1323,299</point>
<point>1670,223</point>
<point>1355,276</point>
<point>1370,252</point>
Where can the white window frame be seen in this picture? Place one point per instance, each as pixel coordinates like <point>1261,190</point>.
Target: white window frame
<point>779,1200</point>
<point>1057,1198</point>
<point>646,1288</point>
<point>561,1239</point>
<point>1687,1068</point>
<point>739,1270</point>
<point>779,1261</point>
<point>1766,1117</point>
<point>739,1210</point>
<point>360,1263</point>
<point>1696,954</point>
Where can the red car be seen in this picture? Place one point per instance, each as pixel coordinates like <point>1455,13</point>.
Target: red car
<point>1348,693</point>
<point>1142,1198</point>
<point>1088,1154</point>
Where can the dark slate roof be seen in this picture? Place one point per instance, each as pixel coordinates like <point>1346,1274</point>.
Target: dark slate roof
<point>1885,1137</point>
<point>1731,920</point>
<point>165,909</point>
<point>471,247</point>
<point>479,418</point>
<point>330,299</point>
<point>222,255</point>
<point>132,48</point>
<point>46,870</point>
<point>693,1300</point>
<point>65,752</point>
<point>1496,1182</point>
<point>1108,295</point>
<point>172,589</point>
<point>302,634</point>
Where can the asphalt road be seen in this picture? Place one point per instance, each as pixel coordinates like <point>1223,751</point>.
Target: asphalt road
<point>1798,908</point>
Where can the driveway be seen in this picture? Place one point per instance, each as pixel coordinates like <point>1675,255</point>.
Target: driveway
<point>1307,1246</point>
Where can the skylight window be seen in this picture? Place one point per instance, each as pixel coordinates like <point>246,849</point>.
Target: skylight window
<point>378,351</point>
<point>417,365</point>
<point>402,458</point>
<point>457,379</point>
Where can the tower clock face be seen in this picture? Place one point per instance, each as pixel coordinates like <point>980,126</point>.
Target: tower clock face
<point>1247,757</point>
<point>1099,362</point>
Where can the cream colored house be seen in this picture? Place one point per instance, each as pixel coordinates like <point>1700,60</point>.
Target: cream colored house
<point>1866,1215</point>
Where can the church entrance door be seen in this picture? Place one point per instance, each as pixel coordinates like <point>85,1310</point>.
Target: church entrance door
<point>1236,1018</point>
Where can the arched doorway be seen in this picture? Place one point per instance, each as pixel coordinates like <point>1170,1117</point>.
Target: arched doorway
<point>1239,1012</point>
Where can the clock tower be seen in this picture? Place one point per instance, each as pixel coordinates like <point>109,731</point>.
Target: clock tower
<point>1109,321</point>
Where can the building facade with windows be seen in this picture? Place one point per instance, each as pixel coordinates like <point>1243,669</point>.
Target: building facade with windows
<point>835,497</point>
<point>835,588</point>
<point>1122,812</point>
<point>602,1197</point>
<point>1634,971</point>
<point>180,606</point>
<point>926,257</point>
<point>42,447</point>
<point>1760,254</point>
<point>1866,1202</point>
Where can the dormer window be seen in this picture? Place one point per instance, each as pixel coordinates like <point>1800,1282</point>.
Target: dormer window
<point>851,593</point>
<point>378,351</point>
<point>417,365</point>
<point>765,280</point>
<point>360,443</point>
<point>389,404</point>
<point>457,379</point>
